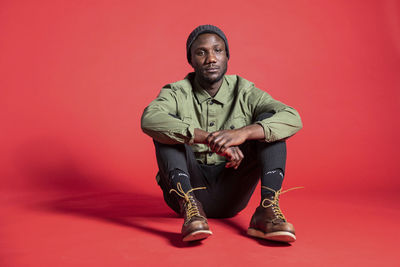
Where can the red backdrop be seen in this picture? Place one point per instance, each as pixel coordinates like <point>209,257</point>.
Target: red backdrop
<point>75,77</point>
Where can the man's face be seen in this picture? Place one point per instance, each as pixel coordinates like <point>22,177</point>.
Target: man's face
<point>209,58</point>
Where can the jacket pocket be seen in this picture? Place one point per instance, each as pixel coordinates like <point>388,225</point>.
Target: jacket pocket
<point>237,122</point>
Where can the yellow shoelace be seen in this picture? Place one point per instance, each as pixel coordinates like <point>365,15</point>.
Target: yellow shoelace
<point>191,210</point>
<point>275,202</point>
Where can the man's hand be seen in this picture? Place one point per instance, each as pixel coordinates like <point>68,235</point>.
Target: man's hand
<point>221,140</point>
<point>226,142</point>
<point>234,155</point>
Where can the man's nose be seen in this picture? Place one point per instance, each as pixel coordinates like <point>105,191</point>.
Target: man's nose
<point>211,58</point>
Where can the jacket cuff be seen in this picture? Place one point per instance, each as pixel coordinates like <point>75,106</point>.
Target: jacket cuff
<point>190,131</point>
<point>268,137</point>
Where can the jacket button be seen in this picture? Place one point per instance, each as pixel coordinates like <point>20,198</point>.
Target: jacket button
<point>211,123</point>
<point>232,127</point>
<point>210,154</point>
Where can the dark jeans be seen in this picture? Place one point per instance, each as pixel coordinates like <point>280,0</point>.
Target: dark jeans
<point>227,190</point>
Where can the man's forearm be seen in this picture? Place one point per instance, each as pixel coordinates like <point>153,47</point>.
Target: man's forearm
<point>200,136</point>
<point>253,132</point>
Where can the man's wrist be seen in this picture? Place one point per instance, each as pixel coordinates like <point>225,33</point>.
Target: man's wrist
<point>200,136</point>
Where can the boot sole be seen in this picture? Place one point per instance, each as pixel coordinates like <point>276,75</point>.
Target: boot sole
<point>197,235</point>
<point>280,236</point>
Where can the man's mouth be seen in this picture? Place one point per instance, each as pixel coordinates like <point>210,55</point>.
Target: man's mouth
<point>212,70</point>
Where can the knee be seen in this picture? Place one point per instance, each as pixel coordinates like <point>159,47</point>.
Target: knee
<point>264,116</point>
<point>167,149</point>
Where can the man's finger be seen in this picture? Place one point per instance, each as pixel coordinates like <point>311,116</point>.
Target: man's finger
<point>223,149</point>
<point>235,154</point>
<point>238,163</point>
<point>210,137</point>
<point>231,155</point>
<point>220,146</point>
<point>229,164</point>
<point>240,153</point>
<point>217,144</point>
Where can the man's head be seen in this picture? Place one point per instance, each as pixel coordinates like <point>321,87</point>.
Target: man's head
<point>208,53</point>
<point>204,29</point>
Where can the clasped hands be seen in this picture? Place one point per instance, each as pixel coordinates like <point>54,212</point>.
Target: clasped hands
<point>225,143</point>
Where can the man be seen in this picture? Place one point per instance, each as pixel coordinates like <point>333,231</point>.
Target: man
<point>215,137</point>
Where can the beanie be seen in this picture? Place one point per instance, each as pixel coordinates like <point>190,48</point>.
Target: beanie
<point>204,29</point>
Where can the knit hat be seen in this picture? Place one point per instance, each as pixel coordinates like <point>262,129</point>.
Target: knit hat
<point>204,29</point>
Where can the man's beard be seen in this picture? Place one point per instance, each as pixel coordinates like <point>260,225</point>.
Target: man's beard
<point>210,80</point>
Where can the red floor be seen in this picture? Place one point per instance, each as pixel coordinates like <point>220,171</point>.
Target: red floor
<point>77,173</point>
<point>126,228</point>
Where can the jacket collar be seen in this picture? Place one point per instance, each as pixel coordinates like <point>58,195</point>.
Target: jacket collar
<point>222,96</point>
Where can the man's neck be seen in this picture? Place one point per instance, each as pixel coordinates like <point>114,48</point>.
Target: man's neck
<point>212,89</point>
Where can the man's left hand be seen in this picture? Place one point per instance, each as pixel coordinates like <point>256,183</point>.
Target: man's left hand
<point>221,140</point>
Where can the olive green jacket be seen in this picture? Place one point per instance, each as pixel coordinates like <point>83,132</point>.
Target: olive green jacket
<point>183,106</point>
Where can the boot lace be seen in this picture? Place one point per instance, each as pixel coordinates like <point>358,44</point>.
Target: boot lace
<point>191,207</point>
<point>274,203</point>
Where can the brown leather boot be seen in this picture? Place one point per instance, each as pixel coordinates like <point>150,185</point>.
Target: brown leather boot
<point>268,221</point>
<point>195,225</point>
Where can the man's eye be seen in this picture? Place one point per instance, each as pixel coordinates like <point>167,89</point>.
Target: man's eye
<point>218,50</point>
<point>200,53</point>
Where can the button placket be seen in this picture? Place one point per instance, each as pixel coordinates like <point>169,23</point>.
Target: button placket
<point>212,125</point>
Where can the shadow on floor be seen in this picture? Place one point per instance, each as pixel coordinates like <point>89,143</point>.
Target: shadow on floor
<point>243,231</point>
<point>64,185</point>
<point>119,208</point>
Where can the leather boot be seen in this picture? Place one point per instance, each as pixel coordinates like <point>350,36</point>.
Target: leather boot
<point>195,225</point>
<point>268,221</point>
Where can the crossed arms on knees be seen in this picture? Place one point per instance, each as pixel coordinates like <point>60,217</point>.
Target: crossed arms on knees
<point>226,142</point>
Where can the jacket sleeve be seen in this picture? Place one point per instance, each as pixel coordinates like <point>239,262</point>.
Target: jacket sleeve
<point>285,120</point>
<point>160,119</point>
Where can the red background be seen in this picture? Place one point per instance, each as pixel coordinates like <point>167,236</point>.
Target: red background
<point>75,77</point>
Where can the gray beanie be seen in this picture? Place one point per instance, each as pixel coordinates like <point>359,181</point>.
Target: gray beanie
<point>204,29</point>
